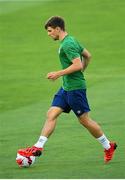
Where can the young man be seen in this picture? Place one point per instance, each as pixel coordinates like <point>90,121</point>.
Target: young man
<point>72,95</point>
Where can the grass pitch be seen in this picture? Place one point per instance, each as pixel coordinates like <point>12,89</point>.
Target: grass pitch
<point>27,55</point>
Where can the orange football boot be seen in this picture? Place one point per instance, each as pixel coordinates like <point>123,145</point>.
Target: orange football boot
<point>30,151</point>
<point>110,152</point>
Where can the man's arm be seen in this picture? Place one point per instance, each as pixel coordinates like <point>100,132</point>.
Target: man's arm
<point>77,65</point>
<point>86,58</point>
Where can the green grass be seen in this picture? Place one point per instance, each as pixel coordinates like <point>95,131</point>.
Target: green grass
<point>27,55</point>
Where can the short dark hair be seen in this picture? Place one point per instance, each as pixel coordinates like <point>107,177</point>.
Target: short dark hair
<point>55,21</point>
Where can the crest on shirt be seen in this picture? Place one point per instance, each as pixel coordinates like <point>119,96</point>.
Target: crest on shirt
<point>59,50</point>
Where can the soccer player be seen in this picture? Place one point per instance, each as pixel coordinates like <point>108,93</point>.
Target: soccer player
<point>74,59</point>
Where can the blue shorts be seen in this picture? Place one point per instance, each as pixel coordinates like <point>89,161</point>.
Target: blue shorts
<point>74,100</point>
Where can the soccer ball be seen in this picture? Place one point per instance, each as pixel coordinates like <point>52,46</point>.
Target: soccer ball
<point>23,161</point>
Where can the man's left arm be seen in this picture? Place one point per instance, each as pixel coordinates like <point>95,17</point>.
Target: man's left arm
<point>76,65</point>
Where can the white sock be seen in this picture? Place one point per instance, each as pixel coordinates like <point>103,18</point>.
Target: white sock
<point>104,141</point>
<point>40,143</point>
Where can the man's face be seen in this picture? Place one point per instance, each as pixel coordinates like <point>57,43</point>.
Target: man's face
<point>53,32</point>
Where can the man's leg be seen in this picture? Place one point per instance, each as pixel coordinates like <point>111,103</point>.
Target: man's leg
<point>91,125</point>
<point>51,120</point>
<point>47,130</point>
<point>49,125</point>
<point>96,131</point>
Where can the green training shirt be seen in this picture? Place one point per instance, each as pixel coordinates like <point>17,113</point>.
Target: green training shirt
<point>70,49</point>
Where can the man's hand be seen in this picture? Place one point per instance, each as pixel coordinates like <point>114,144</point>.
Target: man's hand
<point>53,75</point>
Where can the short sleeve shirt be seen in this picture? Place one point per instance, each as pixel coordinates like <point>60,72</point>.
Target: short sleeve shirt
<point>70,49</point>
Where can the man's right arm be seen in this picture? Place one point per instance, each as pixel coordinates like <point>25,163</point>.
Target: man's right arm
<point>86,58</point>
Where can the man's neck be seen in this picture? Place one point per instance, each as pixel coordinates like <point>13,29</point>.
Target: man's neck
<point>62,35</point>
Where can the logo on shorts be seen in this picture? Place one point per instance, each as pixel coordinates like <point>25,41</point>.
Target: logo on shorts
<point>78,112</point>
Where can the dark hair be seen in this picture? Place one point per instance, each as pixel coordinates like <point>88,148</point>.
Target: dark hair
<point>55,21</point>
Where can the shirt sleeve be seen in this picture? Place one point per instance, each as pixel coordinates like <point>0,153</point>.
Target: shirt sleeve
<point>72,51</point>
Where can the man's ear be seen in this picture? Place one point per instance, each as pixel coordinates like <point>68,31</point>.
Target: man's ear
<point>58,28</point>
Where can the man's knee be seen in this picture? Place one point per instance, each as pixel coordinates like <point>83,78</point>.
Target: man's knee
<point>53,113</point>
<point>50,115</point>
<point>84,119</point>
